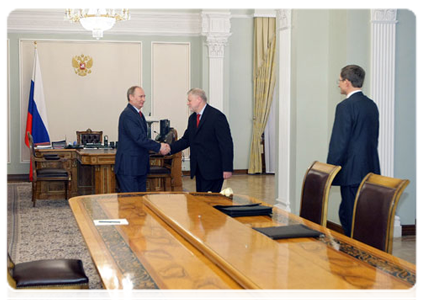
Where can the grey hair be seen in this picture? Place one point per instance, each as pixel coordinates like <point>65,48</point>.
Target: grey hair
<point>198,92</point>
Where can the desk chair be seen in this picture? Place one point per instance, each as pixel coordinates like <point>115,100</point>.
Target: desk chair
<point>161,166</point>
<point>374,210</point>
<point>315,192</point>
<point>89,136</point>
<point>47,274</point>
<point>40,173</point>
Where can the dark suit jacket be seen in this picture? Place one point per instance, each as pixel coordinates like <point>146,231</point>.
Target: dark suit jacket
<point>132,156</point>
<point>354,141</point>
<point>211,145</point>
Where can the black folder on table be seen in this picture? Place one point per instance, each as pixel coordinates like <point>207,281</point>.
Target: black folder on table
<point>289,231</point>
<point>255,209</point>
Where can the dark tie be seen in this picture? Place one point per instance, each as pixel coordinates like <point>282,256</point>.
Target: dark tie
<point>198,119</point>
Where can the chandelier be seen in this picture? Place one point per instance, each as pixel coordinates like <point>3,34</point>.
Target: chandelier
<point>97,20</point>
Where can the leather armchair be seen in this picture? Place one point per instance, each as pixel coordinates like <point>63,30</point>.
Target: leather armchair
<point>315,192</point>
<point>374,210</point>
<point>47,274</point>
<point>89,136</point>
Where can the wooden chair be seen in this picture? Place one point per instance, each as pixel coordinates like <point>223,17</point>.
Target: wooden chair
<point>315,192</point>
<point>51,174</point>
<point>89,136</point>
<point>47,274</point>
<point>161,166</point>
<point>374,210</point>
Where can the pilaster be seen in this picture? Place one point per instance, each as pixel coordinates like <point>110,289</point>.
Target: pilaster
<point>383,28</point>
<point>216,28</point>
<point>284,28</point>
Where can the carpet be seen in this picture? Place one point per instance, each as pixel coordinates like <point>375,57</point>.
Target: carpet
<point>47,231</point>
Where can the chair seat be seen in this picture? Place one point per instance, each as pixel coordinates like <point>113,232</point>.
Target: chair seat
<point>43,273</point>
<point>157,170</point>
<point>51,172</point>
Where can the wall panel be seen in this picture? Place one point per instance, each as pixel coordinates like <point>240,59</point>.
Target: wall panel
<point>75,102</point>
<point>170,83</point>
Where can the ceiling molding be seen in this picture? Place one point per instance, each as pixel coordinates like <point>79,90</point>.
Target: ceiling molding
<point>142,22</point>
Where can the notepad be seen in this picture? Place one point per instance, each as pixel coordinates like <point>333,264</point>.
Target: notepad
<point>254,209</point>
<point>289,231</point>
<point>106,222</point>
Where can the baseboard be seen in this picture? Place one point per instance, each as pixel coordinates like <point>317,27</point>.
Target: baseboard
<point>235,172</point>
<point>406,229</point>
<point>18,177</point>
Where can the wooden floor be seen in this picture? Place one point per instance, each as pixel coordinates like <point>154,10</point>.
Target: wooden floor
<point>263,187</point>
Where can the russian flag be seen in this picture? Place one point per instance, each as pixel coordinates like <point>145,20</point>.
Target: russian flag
<point>36,122</point>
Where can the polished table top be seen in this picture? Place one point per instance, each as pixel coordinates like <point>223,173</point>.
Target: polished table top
<point>179,241</point>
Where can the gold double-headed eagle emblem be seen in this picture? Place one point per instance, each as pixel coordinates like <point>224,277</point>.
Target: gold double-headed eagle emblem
<point>82,64</point>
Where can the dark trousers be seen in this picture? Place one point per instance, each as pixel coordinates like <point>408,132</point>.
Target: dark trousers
<point>204,185</point>
<point>131,184</point>
<point>346,209</point>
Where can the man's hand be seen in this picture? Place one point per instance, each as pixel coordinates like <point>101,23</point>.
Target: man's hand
<point>164,149</point>
<point>227,175</point>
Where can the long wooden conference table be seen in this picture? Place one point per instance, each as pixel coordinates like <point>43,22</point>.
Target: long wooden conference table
<point>180,241</point>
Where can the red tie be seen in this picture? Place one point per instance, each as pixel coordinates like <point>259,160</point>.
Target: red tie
<point>140,114</point>
<point>198,119</point>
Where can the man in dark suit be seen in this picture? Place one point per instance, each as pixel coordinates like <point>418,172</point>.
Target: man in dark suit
<point>132,162</point>
<point>354,141</point>
<point>209,137</point>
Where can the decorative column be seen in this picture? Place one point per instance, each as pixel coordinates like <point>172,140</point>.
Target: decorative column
<point>216,28</point>
<point>283,172</point>
<point>383,29</point>
<point>383,26</point>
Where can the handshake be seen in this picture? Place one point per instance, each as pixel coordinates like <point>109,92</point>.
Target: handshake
<point>164,149</point>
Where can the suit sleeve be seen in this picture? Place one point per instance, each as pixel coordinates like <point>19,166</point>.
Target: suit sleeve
<point>341,134</point>
<point>183,142</point>
<point>138,135</point>
<point>226,146</point>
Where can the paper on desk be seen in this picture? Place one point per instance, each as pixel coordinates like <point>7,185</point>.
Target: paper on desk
<point>110,222</point>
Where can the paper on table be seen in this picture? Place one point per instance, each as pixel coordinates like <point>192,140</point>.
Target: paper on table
<point>110,222</point>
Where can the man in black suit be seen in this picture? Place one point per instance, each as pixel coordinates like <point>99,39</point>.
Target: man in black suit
<point>209,137</point>
<point>132,162</point>
<point>354,141</point>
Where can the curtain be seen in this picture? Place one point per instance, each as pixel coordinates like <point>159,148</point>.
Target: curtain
<point>264,84</point>
<point>270,140</point>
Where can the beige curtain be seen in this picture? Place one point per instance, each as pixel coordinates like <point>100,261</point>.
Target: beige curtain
<point>264,84</point>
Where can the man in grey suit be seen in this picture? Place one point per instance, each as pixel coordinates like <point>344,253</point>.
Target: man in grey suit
<point>132,162</point>
<point>354,141</point>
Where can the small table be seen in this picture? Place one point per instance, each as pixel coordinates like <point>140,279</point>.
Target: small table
<point>180,241</point>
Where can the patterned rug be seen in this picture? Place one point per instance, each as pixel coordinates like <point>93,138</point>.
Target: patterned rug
<point>47,231</point>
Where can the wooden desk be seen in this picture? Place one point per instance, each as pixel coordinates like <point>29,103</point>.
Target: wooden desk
<point>92,173</point>
<point>179,241</point>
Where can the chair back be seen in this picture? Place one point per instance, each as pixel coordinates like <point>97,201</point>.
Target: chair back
<point>315,192</point>
<point>374,210</point>
<point>89,136</point>
<point>171,136</point>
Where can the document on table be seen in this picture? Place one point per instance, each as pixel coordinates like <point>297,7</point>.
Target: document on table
<point>106,222</point>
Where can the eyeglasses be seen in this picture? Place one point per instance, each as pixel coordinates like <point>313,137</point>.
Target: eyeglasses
<point>340,80</point>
